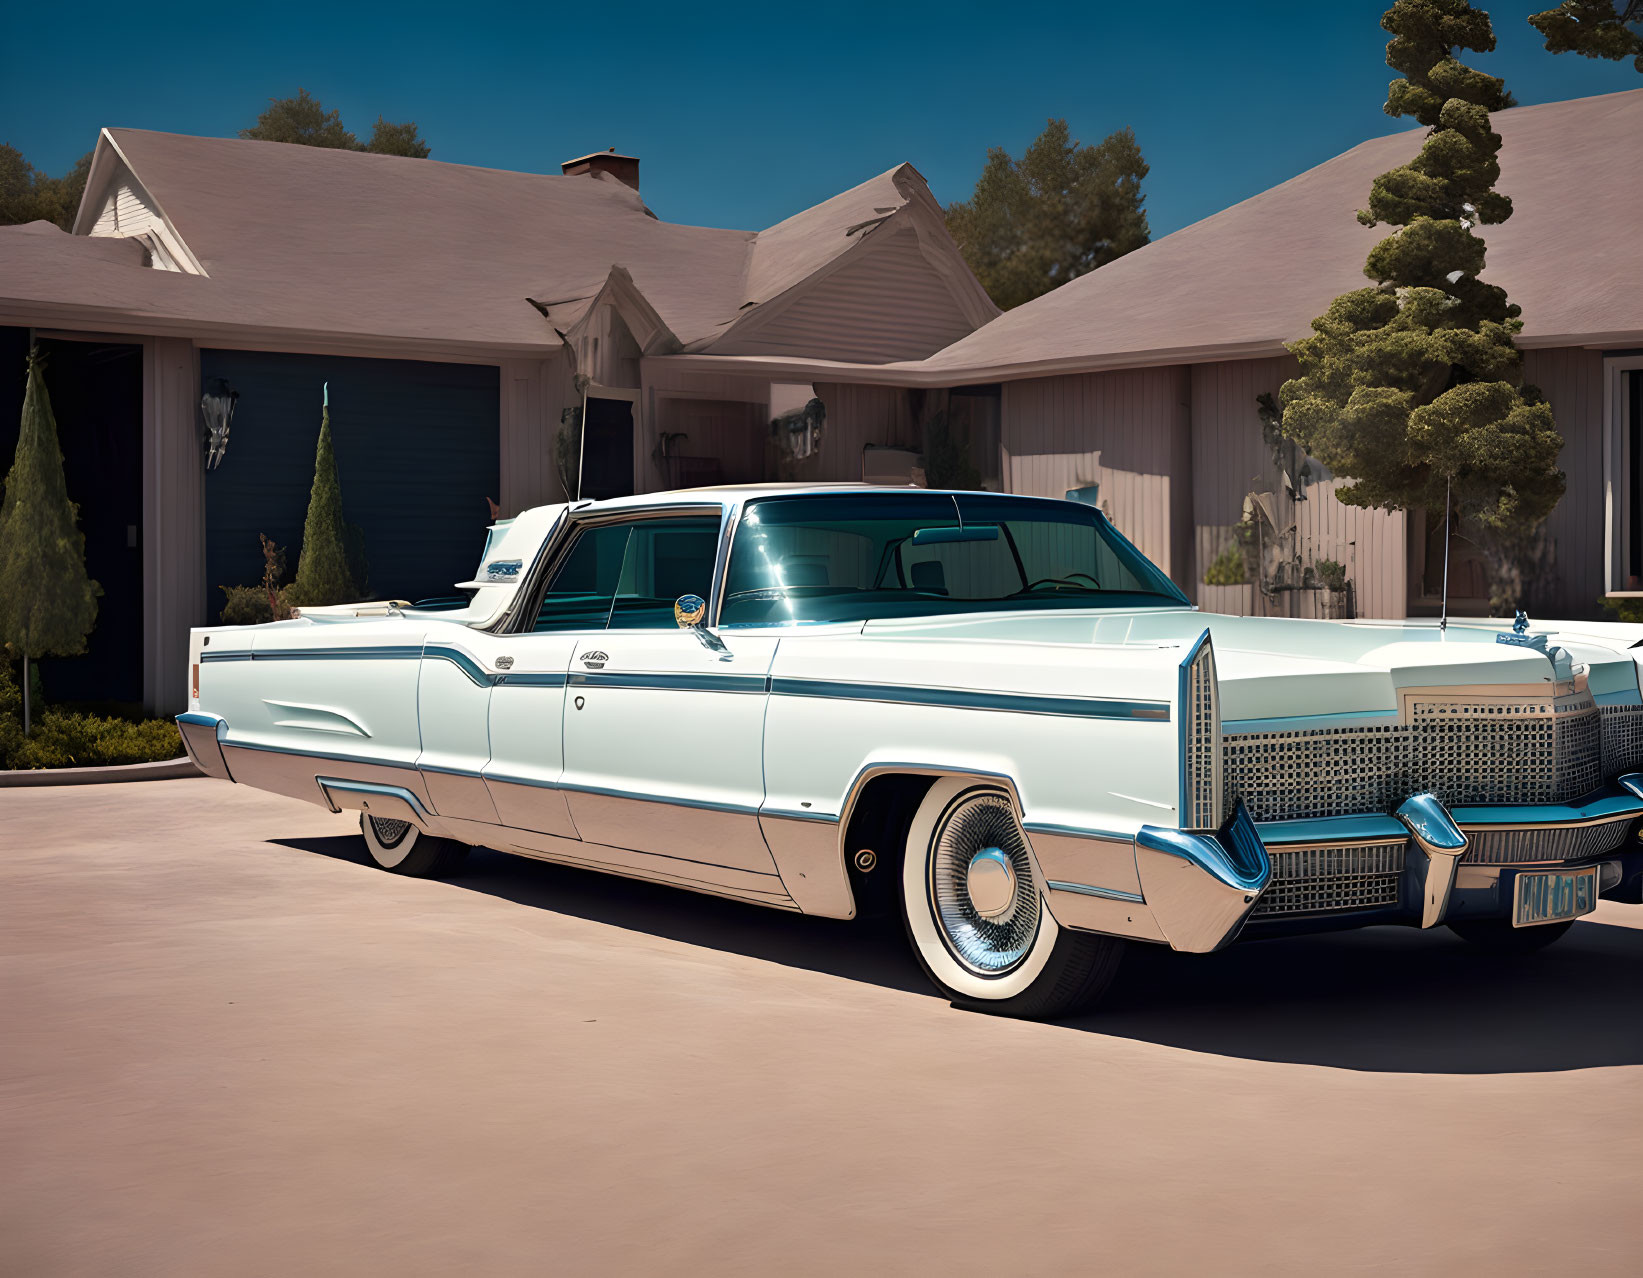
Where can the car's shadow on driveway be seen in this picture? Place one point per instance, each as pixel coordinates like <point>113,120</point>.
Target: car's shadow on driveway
<point>1390,999</point>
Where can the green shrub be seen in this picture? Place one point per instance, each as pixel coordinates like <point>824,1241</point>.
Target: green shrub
<point>67,739</point>
<point>1331,575</point>
<point>63,739</point>
<point>1628,610</point>
<point>1228,568</point>
<point>248,606</point>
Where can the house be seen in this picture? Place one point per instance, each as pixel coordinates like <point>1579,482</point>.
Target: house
<point>1142,377</point>
<point>463,317</point>
<point>457,318</point>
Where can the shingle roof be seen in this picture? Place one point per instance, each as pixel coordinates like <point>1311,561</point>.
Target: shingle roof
<point>342,244</point>
<point>1249,278</point>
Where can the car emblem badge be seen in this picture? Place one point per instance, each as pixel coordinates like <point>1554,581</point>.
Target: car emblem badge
<point>594,660</point>
<point>504,663</point>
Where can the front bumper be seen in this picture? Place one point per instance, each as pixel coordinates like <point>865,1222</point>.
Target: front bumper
<point>1421,866</point>
<point>1445,863</point>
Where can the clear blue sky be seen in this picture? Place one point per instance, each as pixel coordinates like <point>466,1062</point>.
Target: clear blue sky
<point>743,114</point>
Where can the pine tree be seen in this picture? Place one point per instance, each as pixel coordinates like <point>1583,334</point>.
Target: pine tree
<point>1413,388</point>
<point>322,571</point>
<point>1611,29</point>
<point>48,604</point>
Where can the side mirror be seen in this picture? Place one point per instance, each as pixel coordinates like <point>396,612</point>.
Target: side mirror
<point>690,611</point>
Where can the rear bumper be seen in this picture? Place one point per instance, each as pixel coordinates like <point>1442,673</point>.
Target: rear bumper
<point>202,738</point>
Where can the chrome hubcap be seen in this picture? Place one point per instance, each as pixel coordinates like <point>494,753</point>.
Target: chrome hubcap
<point>389,831</point>
<point>981,885</point>
<point>990,882</point>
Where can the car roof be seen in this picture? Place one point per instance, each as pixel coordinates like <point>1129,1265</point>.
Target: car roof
<point>731,494</point>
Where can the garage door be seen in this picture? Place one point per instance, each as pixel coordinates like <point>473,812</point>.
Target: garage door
<point>416,447</point>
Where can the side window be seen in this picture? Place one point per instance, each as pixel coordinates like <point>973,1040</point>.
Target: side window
<point>628,575</point>
<point>665,558</point>
<point>580,594</point>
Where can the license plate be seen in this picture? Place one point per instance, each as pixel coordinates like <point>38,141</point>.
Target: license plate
<point>1550,896</point>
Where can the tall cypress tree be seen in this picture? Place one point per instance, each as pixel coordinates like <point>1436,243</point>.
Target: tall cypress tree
<point>48,604</point>
<point>1413,388</point>
<point>322,571</point>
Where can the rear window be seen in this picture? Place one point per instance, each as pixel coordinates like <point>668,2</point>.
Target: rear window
<point>860,557</point>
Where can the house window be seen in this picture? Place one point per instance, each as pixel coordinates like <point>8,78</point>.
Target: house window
<point>1623,437</point>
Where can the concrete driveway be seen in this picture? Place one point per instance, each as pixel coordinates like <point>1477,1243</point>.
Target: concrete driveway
<point>229,1047</point>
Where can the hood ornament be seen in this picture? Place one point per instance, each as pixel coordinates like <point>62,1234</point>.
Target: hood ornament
<point>1522,623</point>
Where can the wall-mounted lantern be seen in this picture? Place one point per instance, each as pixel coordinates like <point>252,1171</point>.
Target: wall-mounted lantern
<point>217,407</point>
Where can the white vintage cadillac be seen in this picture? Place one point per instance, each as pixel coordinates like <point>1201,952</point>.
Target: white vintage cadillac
<point>989,712</point>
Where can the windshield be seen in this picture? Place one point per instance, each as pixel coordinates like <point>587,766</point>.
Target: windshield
<point>860,557</point>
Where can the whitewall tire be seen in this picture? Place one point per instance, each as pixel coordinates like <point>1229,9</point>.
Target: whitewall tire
<point>400,848</point>
<point>975,911</point>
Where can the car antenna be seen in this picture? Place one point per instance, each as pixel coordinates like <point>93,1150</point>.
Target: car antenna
<point>1443,616</point>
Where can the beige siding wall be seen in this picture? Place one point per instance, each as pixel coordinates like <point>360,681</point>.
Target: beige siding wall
<point>1127,431</point>
<point>1572,380</point>
<point>886,303</point>
<point>173,519</point>
<point>1230,459</point>
<point>534,393</point>
<point>858,416</point>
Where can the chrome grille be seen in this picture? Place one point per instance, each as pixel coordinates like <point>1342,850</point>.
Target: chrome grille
<point>1622,738</point>
<point>1326,772</point>
<point>1571,843</point>
<point>1202,780</point>
<point>1528,750</point>
<point>1331,879</point>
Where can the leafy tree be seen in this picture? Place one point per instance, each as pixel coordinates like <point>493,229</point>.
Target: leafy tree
<point>1058,212</point>
<point>1413,388</point>
<point>29,195</point>
<point>48,604</point>
<point>1611,29</point>
<point>322,571</point>
<point>397,139</point>
<point>304,121</point>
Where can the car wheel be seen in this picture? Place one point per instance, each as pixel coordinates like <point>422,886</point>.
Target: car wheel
<point>400,848</point>
<point>1498,936</point>
<point>976,916</point>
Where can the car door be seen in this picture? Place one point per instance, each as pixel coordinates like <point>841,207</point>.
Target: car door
<point>527,702</point>
<point>663,734</point>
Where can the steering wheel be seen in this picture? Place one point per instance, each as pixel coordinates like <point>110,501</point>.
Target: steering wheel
<point>1068,580</point>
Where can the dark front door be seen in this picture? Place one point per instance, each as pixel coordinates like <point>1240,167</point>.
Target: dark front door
<point>607,449</point>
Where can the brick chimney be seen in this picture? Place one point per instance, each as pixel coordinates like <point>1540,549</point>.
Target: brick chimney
<point>624,168</point>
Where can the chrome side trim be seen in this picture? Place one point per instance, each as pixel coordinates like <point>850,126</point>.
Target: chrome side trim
<point>1089,889</point>
<point>671,682</point>
<point>1442,842</point>
<point>308,752</point>
<point>800,814</point>
<point>202,736</point>
<point>476,673</point>
<point>639,796</point>
<point>1074,831</point>
<point>1371,827</point>
<point>389,801</point>
<point>1021,703</point>
<point>1592,811</point>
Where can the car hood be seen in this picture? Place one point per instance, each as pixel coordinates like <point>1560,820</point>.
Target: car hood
<point>1281,668</point>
